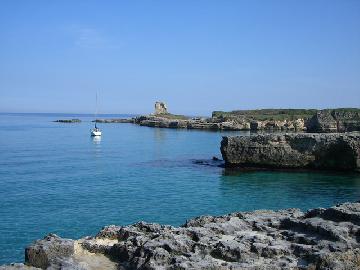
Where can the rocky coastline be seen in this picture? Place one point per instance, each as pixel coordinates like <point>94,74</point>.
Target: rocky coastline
<point>267,120</point>
<point>263,239</point>
<point>334,151</point>
<point>262,120</point>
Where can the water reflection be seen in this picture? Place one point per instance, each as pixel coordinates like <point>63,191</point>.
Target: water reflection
<point>96,139</point>
<point>160,135</point>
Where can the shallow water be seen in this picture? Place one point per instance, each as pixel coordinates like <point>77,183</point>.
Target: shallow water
<point>55,178</point>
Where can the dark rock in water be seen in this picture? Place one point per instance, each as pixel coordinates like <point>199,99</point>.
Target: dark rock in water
<point>339,151</point>
<point>68,121</point>
<point>49,251</point>
<point>335,120</point>
<point>115,120</point>
<point>286,239</point>
<point>215,158</point>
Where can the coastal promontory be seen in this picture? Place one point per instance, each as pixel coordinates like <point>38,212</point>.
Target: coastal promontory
<point>260,120</point>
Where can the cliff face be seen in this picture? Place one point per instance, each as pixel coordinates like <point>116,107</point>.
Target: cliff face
<point>337,120</point>
<point>331,120</point>
<point>321,151</point>
<point>287,239</point>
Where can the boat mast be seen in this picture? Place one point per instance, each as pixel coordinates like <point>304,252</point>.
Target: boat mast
<point>96,110</point>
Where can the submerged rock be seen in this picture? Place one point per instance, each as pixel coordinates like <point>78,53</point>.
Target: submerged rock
<point>339,151</point>
<point>263,239</point>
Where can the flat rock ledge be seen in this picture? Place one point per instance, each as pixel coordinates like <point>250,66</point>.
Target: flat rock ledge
<point>335,151</point>
<point>286,239</point>
<point>217,124</point>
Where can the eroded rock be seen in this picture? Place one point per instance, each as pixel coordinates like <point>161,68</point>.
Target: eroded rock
<point>263,239</point>
<point>340,151</point>
<point>51,250</point>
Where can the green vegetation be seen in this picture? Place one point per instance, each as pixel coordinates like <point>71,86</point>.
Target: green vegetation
<point>282,114</point>
<point>267,114</point>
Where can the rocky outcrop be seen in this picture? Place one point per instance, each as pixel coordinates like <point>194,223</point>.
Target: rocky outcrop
<point>286,239</point>
<point>194,123</point>
<point>336,120</point>
<point>160,108</point>
<point>68,121</point>
<point>280,125</point>
<point>218,124</point>
<point>49,251</point>
<point>339,151</point>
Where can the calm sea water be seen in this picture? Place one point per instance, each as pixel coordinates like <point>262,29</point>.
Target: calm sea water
<point>55,178</point>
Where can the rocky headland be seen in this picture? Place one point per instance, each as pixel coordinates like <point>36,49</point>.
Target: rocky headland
<point>263,239</point>
<point>284,120</point>
<point>262,120</point>
<point>335,151</point>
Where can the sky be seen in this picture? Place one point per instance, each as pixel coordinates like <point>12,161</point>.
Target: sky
<point>197,56</point>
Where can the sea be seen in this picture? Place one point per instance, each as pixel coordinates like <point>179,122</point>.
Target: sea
<point>56,178</point>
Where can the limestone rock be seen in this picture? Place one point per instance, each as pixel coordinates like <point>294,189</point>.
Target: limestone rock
<point>49,251</point>
<point>339,151</point>
<point>286,239</point>
<point>335,120</point>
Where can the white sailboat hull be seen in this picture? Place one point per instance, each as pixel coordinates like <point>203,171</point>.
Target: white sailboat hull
<point>95,132</point>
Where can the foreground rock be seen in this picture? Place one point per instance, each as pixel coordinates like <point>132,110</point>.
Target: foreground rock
<point>68,121</point>
<point>339,151</point>
<point>287,239</point>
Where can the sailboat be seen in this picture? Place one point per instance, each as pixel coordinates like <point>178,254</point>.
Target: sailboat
<point>96,131</point>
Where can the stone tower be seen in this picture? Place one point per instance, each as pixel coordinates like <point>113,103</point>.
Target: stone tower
<point>160,108</point>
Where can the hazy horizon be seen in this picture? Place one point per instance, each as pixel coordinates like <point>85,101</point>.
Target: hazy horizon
<point>197,57</point>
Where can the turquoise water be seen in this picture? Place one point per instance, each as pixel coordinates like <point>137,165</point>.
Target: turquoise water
<point>55,178</point>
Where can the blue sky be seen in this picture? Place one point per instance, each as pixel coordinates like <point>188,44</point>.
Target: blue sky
<point>198,56</point>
